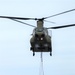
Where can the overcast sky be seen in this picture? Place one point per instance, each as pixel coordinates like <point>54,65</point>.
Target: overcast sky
<point>15,55</point>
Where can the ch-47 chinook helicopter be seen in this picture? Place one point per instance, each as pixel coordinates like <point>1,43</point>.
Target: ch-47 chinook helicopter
<point>41,40</point>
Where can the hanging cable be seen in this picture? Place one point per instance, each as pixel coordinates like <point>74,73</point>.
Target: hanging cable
<point>41,71</point>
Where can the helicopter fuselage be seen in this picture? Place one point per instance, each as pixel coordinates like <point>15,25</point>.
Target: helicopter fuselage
<point>41,41</point>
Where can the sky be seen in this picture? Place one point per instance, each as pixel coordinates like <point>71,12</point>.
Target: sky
<point>15,55</point>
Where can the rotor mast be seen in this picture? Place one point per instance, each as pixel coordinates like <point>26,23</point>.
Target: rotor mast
<point>40,23</point>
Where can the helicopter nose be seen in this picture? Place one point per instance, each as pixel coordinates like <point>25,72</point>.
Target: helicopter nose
<point>39,37</point>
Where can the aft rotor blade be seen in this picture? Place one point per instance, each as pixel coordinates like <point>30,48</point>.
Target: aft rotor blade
<point>58,27</point>
<point>60,13</point>
<point>20,18</point>
<point>23,22</point>
<point>49,21</point>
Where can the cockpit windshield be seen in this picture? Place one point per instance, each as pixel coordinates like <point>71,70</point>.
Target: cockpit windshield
<point>40,30</point>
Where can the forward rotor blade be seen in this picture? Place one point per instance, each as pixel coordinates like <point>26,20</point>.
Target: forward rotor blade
<point>23,22</point>
<point>20,18</point>
<point>58,27</point>
<point>60,13</point>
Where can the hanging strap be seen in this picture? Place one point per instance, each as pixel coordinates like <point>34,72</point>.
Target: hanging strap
<point>41,71</point>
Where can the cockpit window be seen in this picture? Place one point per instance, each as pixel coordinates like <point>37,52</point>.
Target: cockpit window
<point>39,30</point>
<point>45,31</point>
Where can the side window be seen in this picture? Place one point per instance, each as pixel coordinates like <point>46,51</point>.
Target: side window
<point>45,31</point>
<point>34,31</point>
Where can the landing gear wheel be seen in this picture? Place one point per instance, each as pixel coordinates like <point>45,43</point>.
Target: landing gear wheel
<point>33,54</point>
<point>31,48</point>
<point>50,53</point>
